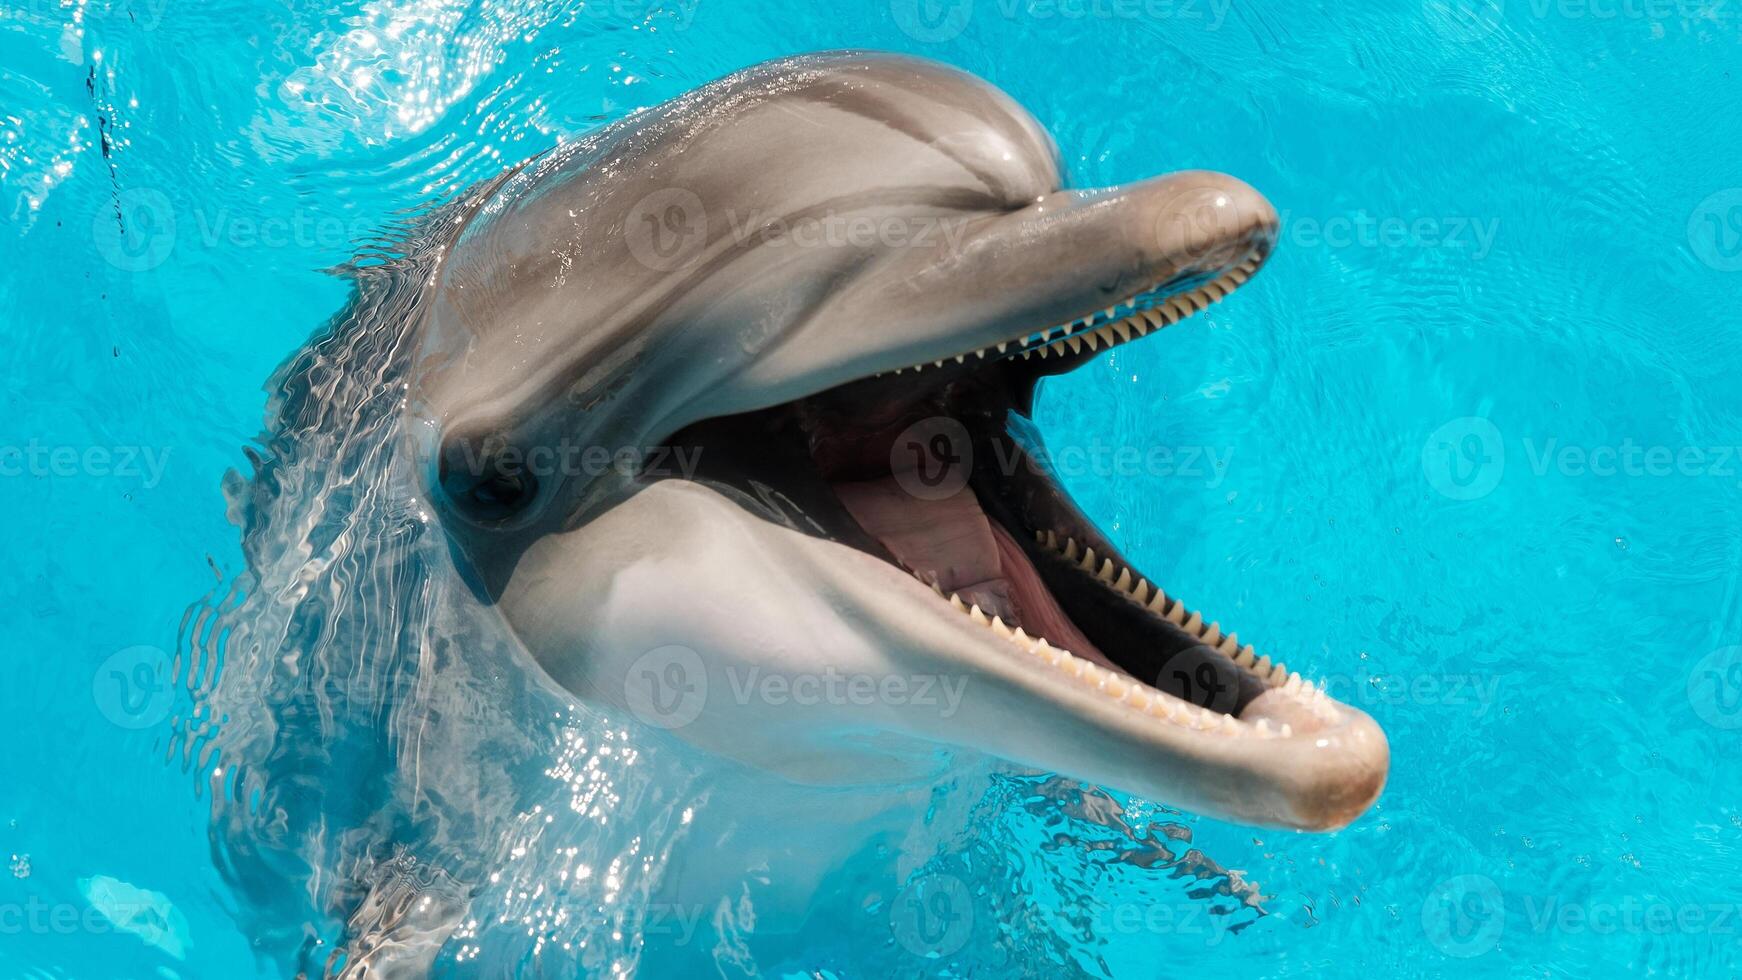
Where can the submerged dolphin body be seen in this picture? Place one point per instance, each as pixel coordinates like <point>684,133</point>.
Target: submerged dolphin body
<point>811,302</point>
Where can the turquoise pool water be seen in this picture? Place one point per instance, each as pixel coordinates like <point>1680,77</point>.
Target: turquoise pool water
<point>1467,447</point>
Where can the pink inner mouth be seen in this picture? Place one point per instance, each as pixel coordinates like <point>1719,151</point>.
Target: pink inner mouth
<point>952,543</point>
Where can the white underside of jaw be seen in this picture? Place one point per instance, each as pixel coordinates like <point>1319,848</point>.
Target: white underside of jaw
<point>1110,327</point>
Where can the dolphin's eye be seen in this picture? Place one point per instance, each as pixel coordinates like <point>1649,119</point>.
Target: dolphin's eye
<point>485,479</point>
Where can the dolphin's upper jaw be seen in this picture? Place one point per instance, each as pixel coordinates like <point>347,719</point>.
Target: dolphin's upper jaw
<point>1268,746</point>
<point>1136,316</point>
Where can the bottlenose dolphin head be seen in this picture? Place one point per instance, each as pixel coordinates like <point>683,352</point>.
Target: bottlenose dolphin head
<point>726,410</point>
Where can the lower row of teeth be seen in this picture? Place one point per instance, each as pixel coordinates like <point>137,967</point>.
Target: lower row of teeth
<point>1112,683</point>
<point>1136,324</point>
<point>1273,674</point>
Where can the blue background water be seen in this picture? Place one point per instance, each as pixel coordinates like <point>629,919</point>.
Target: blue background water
<point>1509,230</point>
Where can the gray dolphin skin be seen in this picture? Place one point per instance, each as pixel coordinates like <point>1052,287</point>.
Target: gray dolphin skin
<point>810,303</point>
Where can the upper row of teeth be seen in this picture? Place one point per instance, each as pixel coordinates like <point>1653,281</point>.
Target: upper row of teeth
<point>1075,336</point>
<point>1274,674</point>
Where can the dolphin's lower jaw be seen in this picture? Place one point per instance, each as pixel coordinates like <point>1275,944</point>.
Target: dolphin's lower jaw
<point>1185,712</point>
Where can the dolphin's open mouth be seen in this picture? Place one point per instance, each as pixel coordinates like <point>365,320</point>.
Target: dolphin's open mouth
<point>1001,544</point>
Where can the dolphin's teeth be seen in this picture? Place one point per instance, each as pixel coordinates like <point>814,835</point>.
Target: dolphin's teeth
<point>1287,730</point>
<point>1161,707</point>
<point>962,357</point>
<point>1048,653</point>
<point>956,602</point>
<point>1121,687</point>
<point>1110,327</point>
<point>937,364</point>
<point>981,353</point>
<point>1264,726</point>
<point>979,617</point>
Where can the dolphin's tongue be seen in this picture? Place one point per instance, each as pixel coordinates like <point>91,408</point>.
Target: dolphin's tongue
<point>952,542</point>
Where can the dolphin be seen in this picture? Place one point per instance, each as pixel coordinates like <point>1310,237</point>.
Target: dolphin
<point>726,409</point>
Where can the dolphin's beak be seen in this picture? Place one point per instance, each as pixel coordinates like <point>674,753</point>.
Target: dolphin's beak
<point>1042,280</point>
